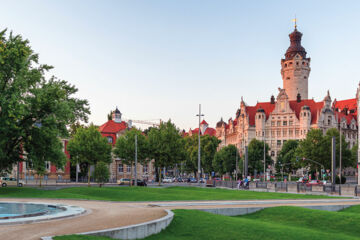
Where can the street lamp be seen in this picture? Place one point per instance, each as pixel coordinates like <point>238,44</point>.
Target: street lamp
<point>264,155</point>
<point>199,149</point>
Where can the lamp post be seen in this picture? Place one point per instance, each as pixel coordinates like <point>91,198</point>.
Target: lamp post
<point>199,149</point>
<point>340,170</point>
<point>243,143</point>
<point>264,155</point>
<point>135,171</point>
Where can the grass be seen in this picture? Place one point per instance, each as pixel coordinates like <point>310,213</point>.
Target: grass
<point>271,223</point>
<point>147,194</point>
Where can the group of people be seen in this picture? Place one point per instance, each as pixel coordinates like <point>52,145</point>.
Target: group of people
<point>243,183</point>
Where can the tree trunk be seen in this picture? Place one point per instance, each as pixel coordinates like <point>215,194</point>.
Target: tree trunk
<point>40,181</point>
<point>159,176</point>
<point>88,175</point>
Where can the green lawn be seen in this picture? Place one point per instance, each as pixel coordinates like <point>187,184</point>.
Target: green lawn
<point>147,194</point>
<point>271,223</point>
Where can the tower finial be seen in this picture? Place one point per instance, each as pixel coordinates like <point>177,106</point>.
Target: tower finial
<point>295,22</point>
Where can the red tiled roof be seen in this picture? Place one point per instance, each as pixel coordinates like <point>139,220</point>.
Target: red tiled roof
<point>314,108</point>
<point>208,131</point>
<point>294,105</point>
<point>348,117</point>
<point>350,104</point>
<point>112,127</point>
<point>204,122</point>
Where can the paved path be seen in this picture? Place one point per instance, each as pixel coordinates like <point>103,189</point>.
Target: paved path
<point>104,214</point>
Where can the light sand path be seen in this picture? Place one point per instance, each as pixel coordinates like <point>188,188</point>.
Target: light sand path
<point>104,214</point>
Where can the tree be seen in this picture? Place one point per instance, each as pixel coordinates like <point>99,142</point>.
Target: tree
<point>101,173</point>
<point>313,147</point>
<point>317,147</point>
<point>209,145</point>
<point>256,156</point>
<point>225,160</point>
<point>125,148</point>
<point>89,146</point>
<point>33,108</point>
<point>354,155</point>
<point>166,146</point>
<point>346,160</point>
<point>286,161</point>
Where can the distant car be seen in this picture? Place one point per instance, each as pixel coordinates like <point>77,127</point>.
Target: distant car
<point>168,180</point>
<point>140,182</point>
<point>314,183</point>
<point>217,179</point>
<point>302,180</point>
<point>179,179</point>
<point>202,180</point>
<point>123,181</point>
<point>8,181</point>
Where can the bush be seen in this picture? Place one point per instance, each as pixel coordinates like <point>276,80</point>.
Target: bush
<point>101,173</point>
<point>337,180</point>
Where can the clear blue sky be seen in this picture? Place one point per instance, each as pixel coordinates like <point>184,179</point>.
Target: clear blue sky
<point>160,59</point>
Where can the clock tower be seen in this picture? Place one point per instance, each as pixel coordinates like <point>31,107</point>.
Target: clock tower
<point>295,68</point>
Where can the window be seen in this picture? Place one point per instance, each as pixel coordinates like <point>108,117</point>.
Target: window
<point>272,123</point>
<point>278,143</point>
<point>297,132</point>
<point>278,123</point>
<point>272,153</point>
<point>329,120</point>
<point>120,168</point>
<point>284,133</point>
<point>290,133</point>
<point>284,123</point>
<point>110,139</point>
<point>290,123</point>
<point>128,168</point>
<point>278,133</point>
<point>47,165</point>
<point>273,133</point>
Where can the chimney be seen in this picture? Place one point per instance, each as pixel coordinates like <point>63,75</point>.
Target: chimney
<point>272,99</point>
<point>298,97</point>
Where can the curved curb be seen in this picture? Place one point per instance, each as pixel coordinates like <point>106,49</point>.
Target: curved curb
<point>136,231</point>
<point>69,211</point>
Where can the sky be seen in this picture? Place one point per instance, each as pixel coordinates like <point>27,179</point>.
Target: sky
<point>160,59</point>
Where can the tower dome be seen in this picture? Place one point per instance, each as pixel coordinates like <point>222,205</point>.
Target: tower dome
<point>295,46</point>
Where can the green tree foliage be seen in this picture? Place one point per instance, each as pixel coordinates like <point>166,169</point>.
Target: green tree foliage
<point>101,173</point>
<point>313,147</point>
<point>34,110</point>
<point>166,146</point>
<point>209,145</point>
<point>286,160</point>
<point>125,148</point>
<point>225,160</point>
<point>89,146</point>
<point>354,155</point>
<point>345,150</point>
<point>317,147</point>
<point>109,116</point>
<point>256,156</point>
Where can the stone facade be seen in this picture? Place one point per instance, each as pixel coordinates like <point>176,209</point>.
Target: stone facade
<point>292,114</point>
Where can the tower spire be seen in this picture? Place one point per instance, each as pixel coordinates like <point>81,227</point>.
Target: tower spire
<point>295,22</point>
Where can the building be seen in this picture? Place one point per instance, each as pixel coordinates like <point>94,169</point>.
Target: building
<point>292,114</point>
<point>112,130</point>
<point>204,130</point>
<point>52,172</point>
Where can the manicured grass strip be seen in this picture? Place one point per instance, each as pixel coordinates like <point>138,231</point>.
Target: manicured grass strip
<point>317,220</point>
<point>353,209</point>
<point>147,194</point>
<point>272,223</point>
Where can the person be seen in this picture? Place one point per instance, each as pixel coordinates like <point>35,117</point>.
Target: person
<point>239,183</point>
<point>246,180</point>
